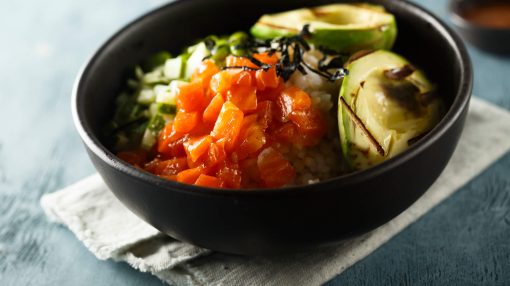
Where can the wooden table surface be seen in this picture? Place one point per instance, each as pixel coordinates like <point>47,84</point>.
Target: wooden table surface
<point>463,241</point>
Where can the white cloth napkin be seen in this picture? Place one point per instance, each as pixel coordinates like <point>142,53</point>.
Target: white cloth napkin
<point>110,231</point>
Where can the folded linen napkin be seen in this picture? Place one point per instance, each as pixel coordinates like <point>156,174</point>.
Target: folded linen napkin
<point>111,231</point>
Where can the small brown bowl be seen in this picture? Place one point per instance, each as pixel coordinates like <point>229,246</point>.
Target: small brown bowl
<point>487,38</point>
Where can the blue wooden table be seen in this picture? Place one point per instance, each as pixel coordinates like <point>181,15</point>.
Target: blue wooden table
<point>463,241</point>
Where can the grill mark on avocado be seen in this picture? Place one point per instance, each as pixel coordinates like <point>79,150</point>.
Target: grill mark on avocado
<point>399,73</point>
<point>359,123</point>
<point>404,93</point>
<point>355,94</point>
<point>363,151</point>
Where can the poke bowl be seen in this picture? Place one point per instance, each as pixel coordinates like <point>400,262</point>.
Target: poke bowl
<point>285,204</point>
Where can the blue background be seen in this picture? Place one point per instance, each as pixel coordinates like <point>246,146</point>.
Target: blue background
<point>463,241</point>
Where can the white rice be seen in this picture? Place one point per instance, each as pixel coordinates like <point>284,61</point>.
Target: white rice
<point>323,161</point>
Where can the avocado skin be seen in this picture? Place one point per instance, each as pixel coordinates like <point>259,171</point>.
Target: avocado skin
<point>267,33</point>
<point>351,41</point>
<point>342,39</point>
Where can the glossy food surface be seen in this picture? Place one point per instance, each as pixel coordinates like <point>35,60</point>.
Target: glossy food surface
<point>439,247</point>
<point>230,127</point>
<point>285,219</point>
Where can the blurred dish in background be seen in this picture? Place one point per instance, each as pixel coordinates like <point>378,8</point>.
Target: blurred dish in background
<point>483,23</point>
<point>490,14</point>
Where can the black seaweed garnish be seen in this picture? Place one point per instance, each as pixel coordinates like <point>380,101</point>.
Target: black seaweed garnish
<point>292,50</point>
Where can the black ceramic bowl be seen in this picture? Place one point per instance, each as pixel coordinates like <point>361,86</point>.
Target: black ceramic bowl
<point>270,220</point>
<point>494,40</point>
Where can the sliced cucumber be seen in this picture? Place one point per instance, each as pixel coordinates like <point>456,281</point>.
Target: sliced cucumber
<point>163,94</point>
<point>160,114</point>
<point>200,52</point>
<point>167,93</point>
<point>155,125</point>
<point>173,68</point>
<point>155,77</point>
<point>153,110</point>
<point>146,96</point>
<point>148,139</point>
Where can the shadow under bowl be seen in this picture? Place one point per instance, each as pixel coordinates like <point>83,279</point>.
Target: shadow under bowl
<point>270,221</point>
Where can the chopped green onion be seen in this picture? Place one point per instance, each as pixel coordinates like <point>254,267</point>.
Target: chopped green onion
<point>156,60</point>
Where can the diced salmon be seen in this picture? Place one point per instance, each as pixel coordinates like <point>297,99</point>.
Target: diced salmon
<point>196,146</point>
<point>266,79</point>
<point>231,127</point>
<point>275,170</point>
<point>135,157</point>
<point>184,122</point>
<point>223,80</point>
<point>265,113</point>
<point>190,96</point>
<point>205,72</point>
<point>213,109</point>
<point>251,137</point>
<point>208,181</point>
<point>167,167</point>
<point>189,176</point>
<point>229,174</point>
<point>228,125</point>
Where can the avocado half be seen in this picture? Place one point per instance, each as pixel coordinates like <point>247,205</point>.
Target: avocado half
<point>340,27</point>
<point>385,105</point>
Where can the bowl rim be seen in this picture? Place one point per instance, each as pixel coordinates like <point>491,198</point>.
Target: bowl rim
<point>456,110</point>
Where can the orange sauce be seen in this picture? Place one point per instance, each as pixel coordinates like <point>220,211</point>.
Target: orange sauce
<point>492,14</point>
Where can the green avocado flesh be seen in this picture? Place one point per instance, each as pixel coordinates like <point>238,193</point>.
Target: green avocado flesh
<point>339,27</point>
<point>385,105</point>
